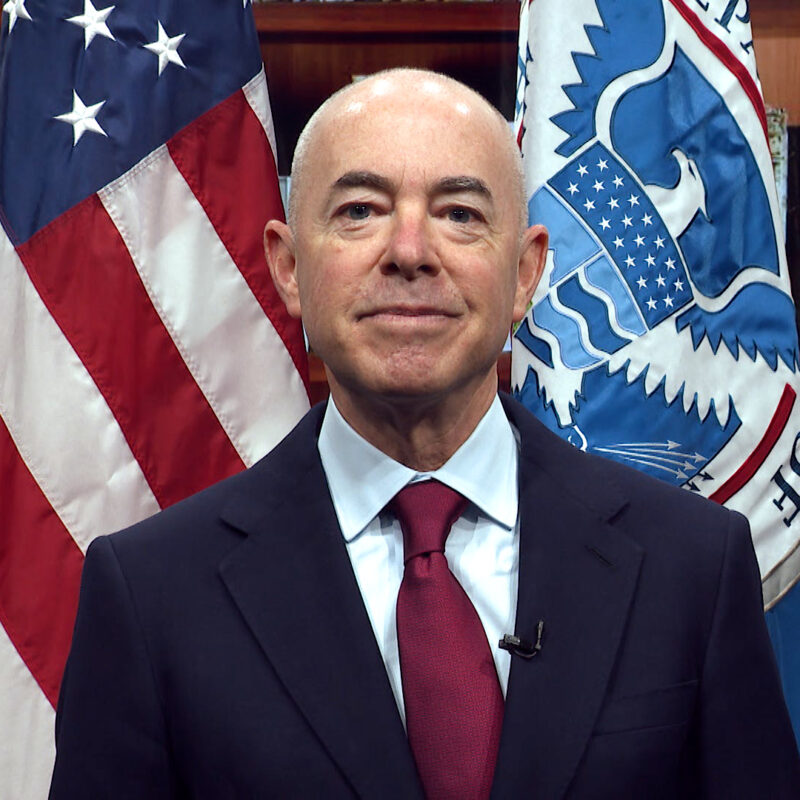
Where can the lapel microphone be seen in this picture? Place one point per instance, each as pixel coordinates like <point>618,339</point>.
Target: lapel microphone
<point>523,647</point>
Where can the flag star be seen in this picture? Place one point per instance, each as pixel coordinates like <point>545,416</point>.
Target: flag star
<point>602,164</point>
<point>639,240</point>
<point>618,182</point>
<point>82,118</point>
<point>670,263</point>
<point>659,242</point>
<point>627,221</point>
<point>613,203</point>
<point>605,224</point>
<point>634,200</point>
<point>166,48</point>
<point>630,261</point>
<point>678,285</point>
<point>589,205</point>
<point>651,304</point>
<point>93,22</point>
<point>582,170</point>
<point>16,10</point>
<point>660,281</point>
<point>572,188</point>
<point>598,186</point>
<point>618,242</point>
<point>668,302</point>
<point>651,262</point>
<point>647,219</point>
<point>642,283</point>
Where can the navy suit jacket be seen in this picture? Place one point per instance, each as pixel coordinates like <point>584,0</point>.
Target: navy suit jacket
<point>222,648</point>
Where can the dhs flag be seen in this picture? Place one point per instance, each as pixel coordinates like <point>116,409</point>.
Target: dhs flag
<point>663,332</point>
<point>144,353</point>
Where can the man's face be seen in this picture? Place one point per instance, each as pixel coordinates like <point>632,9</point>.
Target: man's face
<point>408,245</point>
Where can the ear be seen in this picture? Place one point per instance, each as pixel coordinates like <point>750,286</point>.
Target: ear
<point>533,255</point>
<point>279,247</point>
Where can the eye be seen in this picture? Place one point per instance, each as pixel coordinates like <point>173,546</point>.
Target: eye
<point>460,214</point>
<point>357,211</point>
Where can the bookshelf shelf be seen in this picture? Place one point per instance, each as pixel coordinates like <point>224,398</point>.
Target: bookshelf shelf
<point>419,18</point>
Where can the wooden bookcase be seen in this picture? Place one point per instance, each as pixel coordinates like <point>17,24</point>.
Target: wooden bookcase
<point>311,49</point>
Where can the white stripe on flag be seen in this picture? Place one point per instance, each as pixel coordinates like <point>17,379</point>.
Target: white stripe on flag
<point>229,345</point>
<point>747,116</point>
<point>93,482</point>
<point>257,95</point>
<point>27,739</point>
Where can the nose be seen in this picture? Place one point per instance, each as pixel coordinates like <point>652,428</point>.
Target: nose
<point>410,251</point>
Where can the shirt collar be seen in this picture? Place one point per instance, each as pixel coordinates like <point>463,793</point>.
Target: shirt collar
<point>362,479</point>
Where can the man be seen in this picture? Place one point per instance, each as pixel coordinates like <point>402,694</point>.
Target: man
<point>263,638</point>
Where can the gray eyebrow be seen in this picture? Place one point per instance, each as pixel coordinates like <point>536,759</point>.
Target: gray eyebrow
<point>371,180</point>
<point>462,183</point>
<point>355,179</point>
<point>364,179</point>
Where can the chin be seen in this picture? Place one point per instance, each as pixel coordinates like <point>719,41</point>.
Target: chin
<point>409,387</point>
<point>412,374</point>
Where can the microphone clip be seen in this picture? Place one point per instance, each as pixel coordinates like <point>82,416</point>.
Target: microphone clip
<point>522,647</point>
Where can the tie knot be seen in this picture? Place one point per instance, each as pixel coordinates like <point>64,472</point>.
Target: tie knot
<point>426,510</point>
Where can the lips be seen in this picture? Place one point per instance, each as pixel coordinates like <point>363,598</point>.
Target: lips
<point>409,311</point>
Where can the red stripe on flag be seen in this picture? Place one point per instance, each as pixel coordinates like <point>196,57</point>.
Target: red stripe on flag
<point>86,278</point>
<point>723,53</point>
<point>40,572</point>
<point>226,159</point>
<point>762,450</point>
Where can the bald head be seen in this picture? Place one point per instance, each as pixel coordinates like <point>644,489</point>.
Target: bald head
<point>414,89</point>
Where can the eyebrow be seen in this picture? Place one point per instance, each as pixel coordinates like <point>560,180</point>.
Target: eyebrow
<point>462,183</point>
<point>357,179</point>
<point>364,179</point>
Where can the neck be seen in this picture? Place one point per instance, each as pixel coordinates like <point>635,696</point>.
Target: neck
<point>422,433</point>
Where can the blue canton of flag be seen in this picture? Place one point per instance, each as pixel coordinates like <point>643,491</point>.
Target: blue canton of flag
<point>119,81</point>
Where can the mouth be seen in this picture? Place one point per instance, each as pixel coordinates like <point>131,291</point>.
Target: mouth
<point>403,323</point>
<point>410,312</point>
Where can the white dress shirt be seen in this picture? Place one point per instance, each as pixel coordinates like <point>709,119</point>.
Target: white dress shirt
<point>482,549</point>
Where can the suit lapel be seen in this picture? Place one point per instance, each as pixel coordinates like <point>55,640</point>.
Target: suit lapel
<point>292,580</point>
<point>293,583</point>
<point>578,573</point>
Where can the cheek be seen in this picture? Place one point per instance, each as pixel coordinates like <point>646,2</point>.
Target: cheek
<point>343,271</point>
<point>326,297</point>
<point>491,287</point>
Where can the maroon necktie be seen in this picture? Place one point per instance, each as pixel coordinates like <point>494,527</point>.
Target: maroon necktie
<point>454,707</point>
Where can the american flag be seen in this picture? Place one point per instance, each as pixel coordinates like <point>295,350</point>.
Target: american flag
<point>144,353</point>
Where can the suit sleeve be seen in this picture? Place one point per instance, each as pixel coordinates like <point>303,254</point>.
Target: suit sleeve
<point>110,728</point>
<point>747,748</point>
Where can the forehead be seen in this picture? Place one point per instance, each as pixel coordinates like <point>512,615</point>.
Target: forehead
<point>412,132</point>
